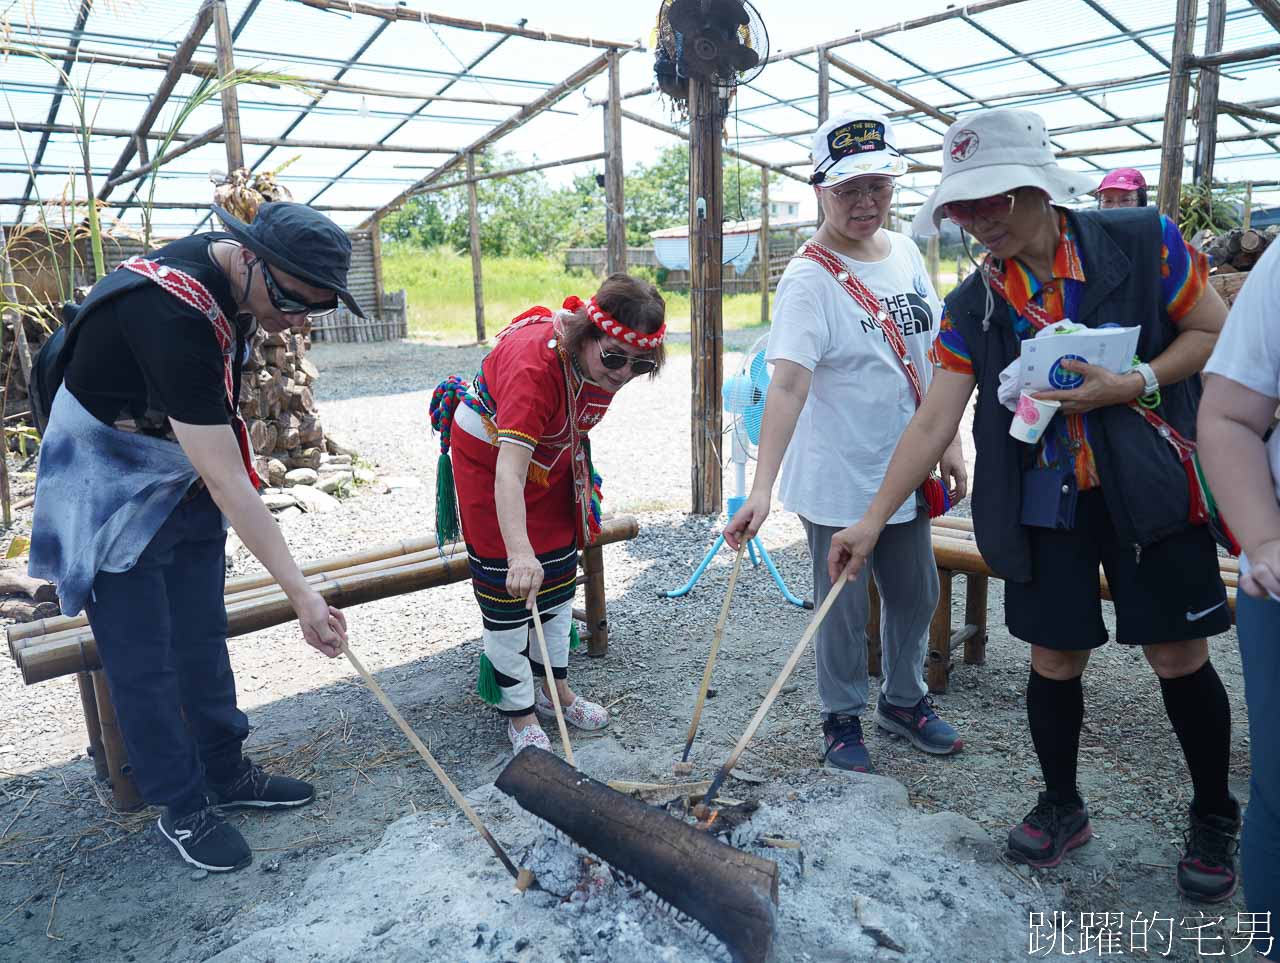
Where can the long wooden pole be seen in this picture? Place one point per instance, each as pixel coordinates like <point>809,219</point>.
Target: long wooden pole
<point>459,800</point>
<point>706,217</point>
<point>728,151</point>
<point>511,172</point>
<point>1233,56</point>
<point>228,96</point>
<point>1207,96</point>
<point>824,101</point>
<point>552,688</point>
<point>1175,111</point>
<point>210,135</point>
<point>762,246</point>
<point>897,93</point>
<point>473,231</point>
<point>614,200</point>
<point>204,17</point>
<point>413,15</point>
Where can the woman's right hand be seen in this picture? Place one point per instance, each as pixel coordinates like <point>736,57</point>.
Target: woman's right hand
<point>524,577</point>
<point>747,520</point>
<point>850,549</point>
<point>323,626</point>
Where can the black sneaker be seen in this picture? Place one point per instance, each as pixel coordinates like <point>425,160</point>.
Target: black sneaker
<point>844,746</point>
<point>205,840</point>
<point>254,789</point>
<point>1207,870</point>
<point>1049,832</point>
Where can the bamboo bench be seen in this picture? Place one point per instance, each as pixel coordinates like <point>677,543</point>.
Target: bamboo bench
<point>62,646</point>
<point>956,553</point>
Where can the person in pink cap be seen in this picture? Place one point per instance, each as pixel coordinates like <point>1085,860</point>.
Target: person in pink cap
<point>1123,187</point>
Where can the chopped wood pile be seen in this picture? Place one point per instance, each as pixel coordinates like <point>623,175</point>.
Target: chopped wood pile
<point>1232,254</point>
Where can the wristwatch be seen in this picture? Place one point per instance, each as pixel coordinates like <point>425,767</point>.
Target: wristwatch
<point>1151,384</point>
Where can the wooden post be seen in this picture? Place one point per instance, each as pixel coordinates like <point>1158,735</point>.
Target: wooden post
<point>824,101</point>
<point>473,219</point>
<point>615,222</point>
<point>1207,99</point>
<point>230,101</point>
<point>873,627</point>
<point>1175,111</point>
<point>939,658</point>
<point>123,792</point>
<point>92,725</point>
<point>1248,206</point>
<point>706,203</point>
<point>975,614</point>
<point>375,241</point>
<point>762,246</point>
<point>597,618</point>
<point>933,254</point>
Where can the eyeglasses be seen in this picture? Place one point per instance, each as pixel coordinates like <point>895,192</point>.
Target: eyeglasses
<point>856,195</point>
<point>288,302</point>
<point>613,360</point>
<point>994,208</point>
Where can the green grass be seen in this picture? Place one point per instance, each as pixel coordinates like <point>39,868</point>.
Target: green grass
<point>438,284</point>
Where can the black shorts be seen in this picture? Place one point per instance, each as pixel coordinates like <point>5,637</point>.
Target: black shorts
<point>1172,594</point>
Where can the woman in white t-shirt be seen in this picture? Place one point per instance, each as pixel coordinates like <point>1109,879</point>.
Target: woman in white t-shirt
<point>839,400</point>
<point>1241,455</point>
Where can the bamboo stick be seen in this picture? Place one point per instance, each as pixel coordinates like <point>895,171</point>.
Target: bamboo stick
<point>77,651</point>
<point>208,137</point>
<point>684,135</point>
<point>893,91</point>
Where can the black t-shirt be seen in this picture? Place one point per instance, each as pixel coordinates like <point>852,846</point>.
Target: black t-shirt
<point>147,355</point>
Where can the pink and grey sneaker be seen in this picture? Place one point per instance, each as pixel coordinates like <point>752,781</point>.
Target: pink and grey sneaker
<point>843,745</point>
<point>1207,870</point>
<point>1049,832</point>
<point>526,737</point>
<point>579,713</point>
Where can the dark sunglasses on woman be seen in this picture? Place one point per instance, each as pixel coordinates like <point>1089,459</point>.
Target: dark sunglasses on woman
<point>287,302</point>
<point>994,208</point>
<point>613,360</point>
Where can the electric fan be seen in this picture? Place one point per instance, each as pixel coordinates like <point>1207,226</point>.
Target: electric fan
<point>724,39</point>
<point>744,396</point>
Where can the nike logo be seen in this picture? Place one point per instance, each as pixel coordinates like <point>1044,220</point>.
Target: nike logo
<point>183,834</point>
<point>1197,616</point>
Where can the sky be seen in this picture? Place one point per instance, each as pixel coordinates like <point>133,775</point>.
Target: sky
<point>285,35</point>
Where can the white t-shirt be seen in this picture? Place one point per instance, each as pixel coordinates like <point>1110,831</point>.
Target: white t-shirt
<point>1248,350</point>
<point>860,399</point>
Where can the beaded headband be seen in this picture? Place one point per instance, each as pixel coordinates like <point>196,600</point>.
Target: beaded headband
<point>611,326</point>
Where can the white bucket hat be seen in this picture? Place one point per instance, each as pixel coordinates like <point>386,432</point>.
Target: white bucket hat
<point>853,145</point>
<point>993,152</point>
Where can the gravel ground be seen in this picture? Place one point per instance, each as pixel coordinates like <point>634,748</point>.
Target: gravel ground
<point>119,895</point>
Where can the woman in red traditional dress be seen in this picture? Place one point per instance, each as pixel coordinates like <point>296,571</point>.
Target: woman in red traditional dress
<point>514,445</point>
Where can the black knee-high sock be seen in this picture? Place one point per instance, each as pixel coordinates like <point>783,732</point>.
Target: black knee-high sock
<point>1055,711</point>
<point>1201,715</point>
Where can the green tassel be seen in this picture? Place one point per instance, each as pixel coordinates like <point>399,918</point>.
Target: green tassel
<point>446,502</point>
<point>574,639</point>
<point>487,683</point>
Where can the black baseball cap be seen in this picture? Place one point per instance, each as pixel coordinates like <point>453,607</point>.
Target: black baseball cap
<point>300,241</point>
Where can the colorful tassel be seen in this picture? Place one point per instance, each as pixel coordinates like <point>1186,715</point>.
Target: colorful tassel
<point>487,682</point>
<point>935,496</point>
<point>575,640</point>
<point>447,527</point>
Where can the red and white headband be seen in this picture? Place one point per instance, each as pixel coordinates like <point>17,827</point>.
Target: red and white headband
<point>614,328</point>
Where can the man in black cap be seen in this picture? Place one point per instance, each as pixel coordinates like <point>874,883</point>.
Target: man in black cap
<point>143,456</point>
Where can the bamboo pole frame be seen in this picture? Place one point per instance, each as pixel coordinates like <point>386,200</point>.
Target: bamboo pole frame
<point>897,93</point>
<point>512,172</point>
<point>203,20</point>
<point>728,151</point>
<point>706,214</point>
<point>762,246</point>
<point>473,230</point>
<point>521,117</point>
<point>1243,55</point>
<point>1207,96</point>
<point>1270,10</point>
<point>229,99</point>
<point>208,137</point>
<point>1175,111</point>
<point>437,19</point>
<point>614,191</point>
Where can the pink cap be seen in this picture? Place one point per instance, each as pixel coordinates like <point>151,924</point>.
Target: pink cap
<point>1123,179</point>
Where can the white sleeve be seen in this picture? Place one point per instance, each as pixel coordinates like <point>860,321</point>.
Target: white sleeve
<point>801,332</point>
<point>1248,350</point>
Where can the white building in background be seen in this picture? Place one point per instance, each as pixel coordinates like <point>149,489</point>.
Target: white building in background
<point>783,208</point>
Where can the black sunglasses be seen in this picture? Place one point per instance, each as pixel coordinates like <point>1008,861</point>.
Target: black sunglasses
<point>613,360</point>
<point>288,302</point>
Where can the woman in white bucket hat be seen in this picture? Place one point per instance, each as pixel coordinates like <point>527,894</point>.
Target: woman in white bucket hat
<point>1111,482</point>
<point>852,306</point>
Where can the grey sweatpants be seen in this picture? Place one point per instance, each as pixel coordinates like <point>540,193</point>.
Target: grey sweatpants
<point>905,573</point>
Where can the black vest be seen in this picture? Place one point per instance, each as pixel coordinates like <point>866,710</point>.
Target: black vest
<point>1144,484</point>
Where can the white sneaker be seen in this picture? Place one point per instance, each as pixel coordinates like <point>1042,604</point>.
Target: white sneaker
<point>580,713</point>
<point>528,736</point>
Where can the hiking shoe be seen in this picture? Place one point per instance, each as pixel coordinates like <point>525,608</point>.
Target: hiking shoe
<point>920,724</point>
<point>845,748</point>
<point>1049,832</point>
<point>1207,870</point>
<point>254,789</point>
<point>528,736</point>
<point>205,840</point>
<point>580,713</point>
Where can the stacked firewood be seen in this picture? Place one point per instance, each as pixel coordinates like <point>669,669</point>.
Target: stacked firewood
<point>279,407</point>
<point>1239,249</point>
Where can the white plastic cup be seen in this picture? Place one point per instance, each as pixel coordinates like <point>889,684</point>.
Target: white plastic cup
<point>1032,417</point>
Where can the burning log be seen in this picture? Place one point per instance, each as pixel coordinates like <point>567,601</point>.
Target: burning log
<point>732,893</point>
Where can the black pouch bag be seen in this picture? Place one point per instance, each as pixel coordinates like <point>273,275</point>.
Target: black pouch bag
<point>1049,497</point>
